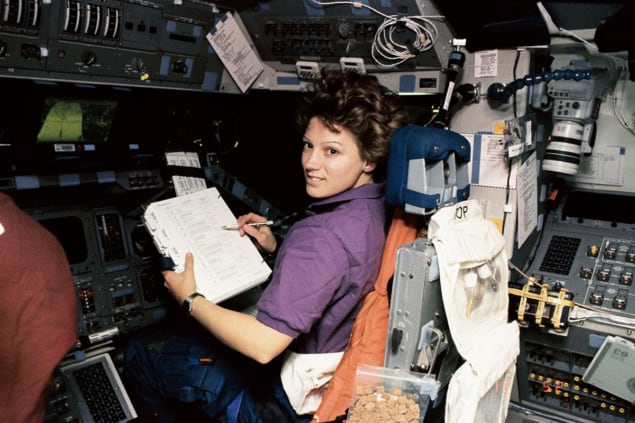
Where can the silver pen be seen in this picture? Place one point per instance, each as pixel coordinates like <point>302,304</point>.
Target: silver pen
<point>267,223</point>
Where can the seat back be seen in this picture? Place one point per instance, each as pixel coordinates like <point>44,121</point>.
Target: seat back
<point>416,152</point>
<point>366,344</point>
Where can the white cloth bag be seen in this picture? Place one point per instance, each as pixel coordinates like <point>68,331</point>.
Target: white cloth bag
<point>474,274</point>
<point>305,376</point>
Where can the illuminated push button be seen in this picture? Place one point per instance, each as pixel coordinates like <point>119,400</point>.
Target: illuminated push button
<point>62,406</point>
<point>604,275</point>
<point>586,272</point>
<point>626,278</point>
<point>619,301</point>
<point>610,252</point>
<point>597,296</point>
<point>592,251</point>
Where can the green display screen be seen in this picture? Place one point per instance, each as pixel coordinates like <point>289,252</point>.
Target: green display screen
<point>74,120</point>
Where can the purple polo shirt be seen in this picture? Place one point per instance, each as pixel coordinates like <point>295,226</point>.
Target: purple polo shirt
<point>326,265</point>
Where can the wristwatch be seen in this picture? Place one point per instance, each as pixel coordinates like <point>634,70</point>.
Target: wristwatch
<point>187,303</point>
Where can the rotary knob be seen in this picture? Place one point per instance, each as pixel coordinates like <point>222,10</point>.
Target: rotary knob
<point>344,30</point>
<point>88,58</point>
<point>137,64</point>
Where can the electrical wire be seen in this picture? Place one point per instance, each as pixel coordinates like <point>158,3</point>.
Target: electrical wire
<point>356,4</point>
<point>617,111</point>
<point>558,31</point>
<point>592,48</point>
<point>387,50</point>
<point>605,318</point>
<point>510,162</point>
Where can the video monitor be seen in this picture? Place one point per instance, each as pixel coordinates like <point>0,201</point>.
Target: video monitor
<point>76,120</point>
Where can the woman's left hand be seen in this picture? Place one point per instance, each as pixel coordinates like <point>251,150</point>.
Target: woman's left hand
<point>181,285</point>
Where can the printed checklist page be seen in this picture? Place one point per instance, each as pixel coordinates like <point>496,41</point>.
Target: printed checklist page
<point>225,264</point>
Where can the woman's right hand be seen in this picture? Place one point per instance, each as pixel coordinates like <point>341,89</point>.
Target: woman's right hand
<point>261,234</point>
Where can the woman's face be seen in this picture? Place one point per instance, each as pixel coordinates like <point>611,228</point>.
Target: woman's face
<point>332,161</point>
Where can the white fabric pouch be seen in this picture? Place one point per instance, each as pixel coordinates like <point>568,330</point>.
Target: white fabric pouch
<point>474,275</point>
<point>305,376</point>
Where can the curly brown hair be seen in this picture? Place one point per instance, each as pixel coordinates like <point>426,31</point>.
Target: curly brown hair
<point>359,103</point>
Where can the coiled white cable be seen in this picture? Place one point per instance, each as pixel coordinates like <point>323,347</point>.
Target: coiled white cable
<point>387,50</point>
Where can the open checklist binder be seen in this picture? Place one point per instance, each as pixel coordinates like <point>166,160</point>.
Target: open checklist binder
<point>225,264</point>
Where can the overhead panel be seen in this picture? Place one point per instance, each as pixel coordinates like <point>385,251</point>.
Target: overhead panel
<point>149,43</point>
<point>162,43</point>
<point>335,33</point>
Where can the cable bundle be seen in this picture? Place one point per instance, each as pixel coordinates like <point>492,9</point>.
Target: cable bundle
<point>389,51</point>
<point>389,47</point>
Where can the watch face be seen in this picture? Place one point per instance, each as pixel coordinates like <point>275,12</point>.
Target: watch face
<point>187,303</point>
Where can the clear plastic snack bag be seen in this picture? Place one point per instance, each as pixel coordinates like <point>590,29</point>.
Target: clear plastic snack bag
<point>384,395</point>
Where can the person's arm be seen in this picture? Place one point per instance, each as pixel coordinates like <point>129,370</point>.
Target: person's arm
<point>237,330</point>
<point>243,332</point>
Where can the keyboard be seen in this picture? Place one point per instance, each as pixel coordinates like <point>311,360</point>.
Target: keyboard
<point>99,394</point>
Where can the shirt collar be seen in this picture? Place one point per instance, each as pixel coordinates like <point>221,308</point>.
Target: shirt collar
<point>366,191</point>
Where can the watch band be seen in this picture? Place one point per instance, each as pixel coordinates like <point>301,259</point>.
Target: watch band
<point>187,303</point>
